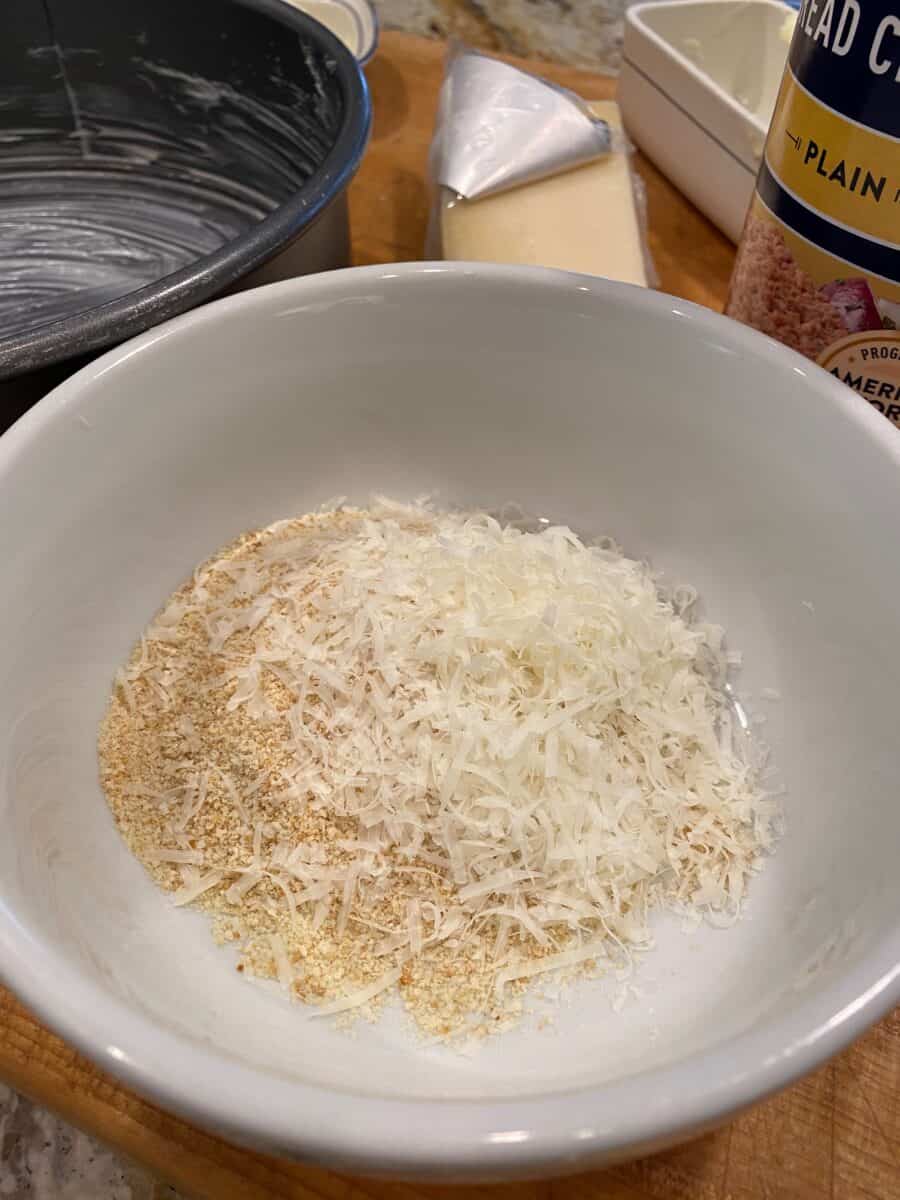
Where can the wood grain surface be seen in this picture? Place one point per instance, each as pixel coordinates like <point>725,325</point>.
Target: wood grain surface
<point>834,1135</point>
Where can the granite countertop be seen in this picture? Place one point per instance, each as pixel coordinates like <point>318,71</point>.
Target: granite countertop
<point>581,33</point>
<point>41,1157</point>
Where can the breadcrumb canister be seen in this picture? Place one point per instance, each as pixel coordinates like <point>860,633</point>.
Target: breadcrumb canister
<point>818,266</point>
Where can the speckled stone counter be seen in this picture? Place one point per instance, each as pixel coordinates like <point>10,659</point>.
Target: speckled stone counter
<point>43,1158</point>
<point>582,33</point>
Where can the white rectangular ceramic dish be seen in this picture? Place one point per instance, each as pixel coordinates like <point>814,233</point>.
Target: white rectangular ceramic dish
<point>697,91</point>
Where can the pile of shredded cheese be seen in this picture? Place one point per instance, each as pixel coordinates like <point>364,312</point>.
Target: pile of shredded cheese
<point>404,748</point>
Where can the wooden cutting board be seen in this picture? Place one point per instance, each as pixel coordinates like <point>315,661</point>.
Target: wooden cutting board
<point>835,1134</point>
<point>389,201</point>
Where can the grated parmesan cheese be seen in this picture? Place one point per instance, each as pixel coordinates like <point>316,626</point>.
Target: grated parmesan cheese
<point>408,748</point>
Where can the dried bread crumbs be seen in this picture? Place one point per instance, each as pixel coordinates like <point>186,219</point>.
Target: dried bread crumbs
<point>399,749</point>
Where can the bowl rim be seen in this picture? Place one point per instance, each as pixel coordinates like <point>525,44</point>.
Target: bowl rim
<point>117,320</point>
<point>459,1138</point>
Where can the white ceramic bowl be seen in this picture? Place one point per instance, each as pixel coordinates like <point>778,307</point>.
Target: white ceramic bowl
<point>725,458</point>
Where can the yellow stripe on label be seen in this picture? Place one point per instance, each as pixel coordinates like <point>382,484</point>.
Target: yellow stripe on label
<point>846,172</point>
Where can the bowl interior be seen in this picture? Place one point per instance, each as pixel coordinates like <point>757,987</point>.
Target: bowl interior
<point>130,150</point>
<point>723,458</point>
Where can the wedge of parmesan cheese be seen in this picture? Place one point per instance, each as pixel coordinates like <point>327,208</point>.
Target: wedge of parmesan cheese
<point>581,220</point>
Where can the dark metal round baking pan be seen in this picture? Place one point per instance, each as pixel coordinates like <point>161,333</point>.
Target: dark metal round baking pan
<point>158,154</point>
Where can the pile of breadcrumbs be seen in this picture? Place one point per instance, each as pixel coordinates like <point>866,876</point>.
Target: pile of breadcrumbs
<point>401,751</point>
